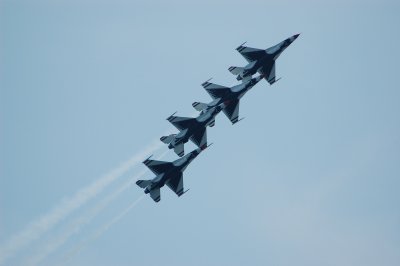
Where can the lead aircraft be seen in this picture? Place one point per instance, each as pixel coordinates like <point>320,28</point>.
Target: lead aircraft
<point>261,61</point>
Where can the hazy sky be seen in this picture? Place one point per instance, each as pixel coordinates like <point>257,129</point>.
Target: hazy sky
<point>310,177</point>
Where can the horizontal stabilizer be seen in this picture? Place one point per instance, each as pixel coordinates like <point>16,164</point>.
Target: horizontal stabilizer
<point>199,106</point>
<point>236,70</point>
<point>143,183</point>
<point>168,139</point>
<point>155,194</point>
<point>179,150</point>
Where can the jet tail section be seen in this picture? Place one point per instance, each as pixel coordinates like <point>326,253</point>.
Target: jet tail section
<point>179,150</point>
<point>168,139</point>
<point>155,194</point>
<point>236,70</point>
<point>143,183</point>
<point>199,106</point>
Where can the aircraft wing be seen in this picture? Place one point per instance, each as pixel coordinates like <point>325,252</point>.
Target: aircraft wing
<point>155,194</point>
<point>215,90</point>
<point>158,167</point>
<point>250,54</point>
<point>200,137</point>
<point>232,111</point>
<point>269,73</point>
<point>181,123</point>
<point>176,184</point>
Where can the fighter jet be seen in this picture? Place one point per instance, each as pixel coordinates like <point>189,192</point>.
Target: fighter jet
<point>222,94</point>
<point>194,129</point>
<point>261,61</point>
<point>167,173</point>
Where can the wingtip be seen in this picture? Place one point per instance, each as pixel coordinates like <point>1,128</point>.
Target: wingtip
<point>205,82</point>
<point>145,161</point>
<point>205,146</point>
<point>169,117</point>
<point>241,45</point>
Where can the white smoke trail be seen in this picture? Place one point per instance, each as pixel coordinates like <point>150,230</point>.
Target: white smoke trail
<point>101,230</point>
<point>42,225</point>
<point>75,226</point>
<point>85,242</point>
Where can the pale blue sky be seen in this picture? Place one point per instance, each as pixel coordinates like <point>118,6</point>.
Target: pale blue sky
<point>310,177</point>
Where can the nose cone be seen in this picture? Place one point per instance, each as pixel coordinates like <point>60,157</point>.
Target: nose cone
<point>294,37</point>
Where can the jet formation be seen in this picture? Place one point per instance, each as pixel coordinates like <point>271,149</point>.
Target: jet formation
<point>225,99</point>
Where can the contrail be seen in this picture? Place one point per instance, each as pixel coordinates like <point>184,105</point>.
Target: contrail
<point>84,243</point>
<point>37,228</point>
<point>75,226</point>
<point>102,229</point>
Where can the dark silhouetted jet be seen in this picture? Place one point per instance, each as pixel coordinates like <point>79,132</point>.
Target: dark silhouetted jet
<point>194,129</point>
<point>167,173</point>
<point>261,61</point>
<point>230,96</point>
